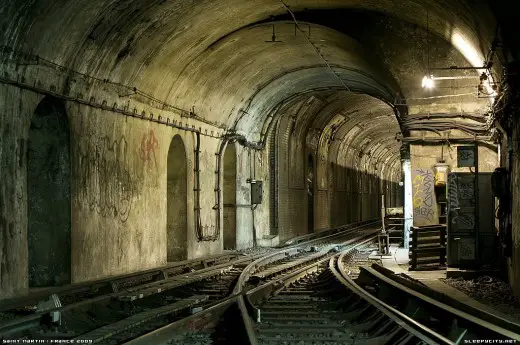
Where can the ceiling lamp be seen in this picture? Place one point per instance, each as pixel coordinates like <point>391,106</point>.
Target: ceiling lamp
<point>427,82</point>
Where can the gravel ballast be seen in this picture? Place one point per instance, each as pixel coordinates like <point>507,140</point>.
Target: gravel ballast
<point>493,292</point>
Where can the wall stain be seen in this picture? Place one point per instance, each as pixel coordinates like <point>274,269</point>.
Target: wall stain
<point>103,179</point>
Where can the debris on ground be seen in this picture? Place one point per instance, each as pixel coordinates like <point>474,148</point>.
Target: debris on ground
<point>257,250</point>
<point>491,291</point>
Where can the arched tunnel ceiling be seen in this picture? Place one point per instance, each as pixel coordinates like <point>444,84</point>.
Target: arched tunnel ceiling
<point>348,129</point>
<point>275,72</point>
<point>214,56</point>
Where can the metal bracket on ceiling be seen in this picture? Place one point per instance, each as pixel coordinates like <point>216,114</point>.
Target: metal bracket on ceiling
<point>273,37</point>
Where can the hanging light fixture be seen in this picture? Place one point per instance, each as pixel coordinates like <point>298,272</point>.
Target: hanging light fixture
<point>427,82</point>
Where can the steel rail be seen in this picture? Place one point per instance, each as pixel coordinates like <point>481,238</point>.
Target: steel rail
<point>165,333</point>
<point>276,285</point>
<point>273,287</point>
<point>307,237</point>
<point>495,319</point>
<point>471,319</point>
<point>412,326</point>
<point>33,320</point>
<point>282,253</point>
<point>269,258</point>
<point>158,274</point>
<point>244,300</point>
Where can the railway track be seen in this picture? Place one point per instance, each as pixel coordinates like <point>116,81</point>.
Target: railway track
<point>225,323</point>
<point>78,292</point>
<point>319,303</point>
<point>320,306</point>
<point>328,307</point>
<point>143,304</point>
<point>308,293</point>
<point>452,319</point>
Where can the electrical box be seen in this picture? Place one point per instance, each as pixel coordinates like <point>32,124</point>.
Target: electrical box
<point>256,192</point>
<point>499,183</point>
<point>466,156</point>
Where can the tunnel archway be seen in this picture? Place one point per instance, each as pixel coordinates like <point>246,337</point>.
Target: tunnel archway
<point>230,192</point>
<point>177,201</point>
<point>48,195</point>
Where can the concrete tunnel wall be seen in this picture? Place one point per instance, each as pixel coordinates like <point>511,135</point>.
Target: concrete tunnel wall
<point>119,184</point>
<point>119,193</point>
<point>426,156</point>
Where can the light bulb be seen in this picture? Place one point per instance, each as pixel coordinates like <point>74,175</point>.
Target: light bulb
<point>427,82</point>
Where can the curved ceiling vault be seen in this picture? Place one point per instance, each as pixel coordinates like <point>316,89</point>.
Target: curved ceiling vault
<point>362,61</point>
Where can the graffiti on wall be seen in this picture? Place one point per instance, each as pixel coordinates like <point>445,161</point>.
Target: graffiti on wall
<point>453,197</point>
<point>423,194</point>
<point>466,249</point>
<point>102,176</point>
<point>462,200</point>
<point>465,156</point>
<point>149,144</point>
<point>466,190</point>
<point>466,221</point>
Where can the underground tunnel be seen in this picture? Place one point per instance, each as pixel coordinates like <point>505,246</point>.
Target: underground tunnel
<point>231,171</point>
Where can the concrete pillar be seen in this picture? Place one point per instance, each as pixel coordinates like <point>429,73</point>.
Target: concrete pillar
<point>16,109</point>
<point>408,202</point>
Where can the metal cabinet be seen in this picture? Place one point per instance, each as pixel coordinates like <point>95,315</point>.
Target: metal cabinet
<point>471,231</point>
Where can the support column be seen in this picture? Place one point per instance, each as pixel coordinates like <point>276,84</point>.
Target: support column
<point>408,202</point>
<point>16,108</point>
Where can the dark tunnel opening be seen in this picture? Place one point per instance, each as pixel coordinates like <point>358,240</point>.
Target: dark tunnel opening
<point>177,206</point>
<point>230,192</point>
<point>49,195</point>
